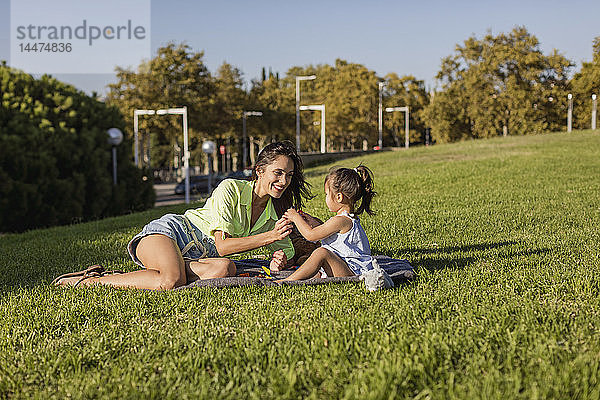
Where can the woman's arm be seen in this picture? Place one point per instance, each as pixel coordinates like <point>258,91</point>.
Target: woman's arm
<point>227,245</point>
<point>333,225</point>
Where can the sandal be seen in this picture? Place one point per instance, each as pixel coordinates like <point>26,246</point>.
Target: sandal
<point>95,271</point>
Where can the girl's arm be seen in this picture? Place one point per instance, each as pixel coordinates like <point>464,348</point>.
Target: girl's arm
<point>312,221</point>
<point>333,225</point>
<point>227,245</point>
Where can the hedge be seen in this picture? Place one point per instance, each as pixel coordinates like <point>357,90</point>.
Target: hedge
<point>55,161</point>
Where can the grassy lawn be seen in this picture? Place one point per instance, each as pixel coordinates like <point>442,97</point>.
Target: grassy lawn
<point>504,236</point>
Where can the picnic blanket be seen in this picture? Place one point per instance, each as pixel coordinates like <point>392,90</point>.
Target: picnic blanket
<point>251,273</point>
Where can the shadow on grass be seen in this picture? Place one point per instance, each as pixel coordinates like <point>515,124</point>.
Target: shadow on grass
<point>434,249</point>
<point>444,257</point>
<point>453,249</point>
<point>437,264</point>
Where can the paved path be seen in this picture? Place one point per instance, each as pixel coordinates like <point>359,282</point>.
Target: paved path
<point>165,195</point>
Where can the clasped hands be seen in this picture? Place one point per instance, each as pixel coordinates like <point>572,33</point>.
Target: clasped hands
<point>283,227</point>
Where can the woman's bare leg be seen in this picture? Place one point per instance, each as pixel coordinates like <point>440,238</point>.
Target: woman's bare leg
<point>321,257</point>
<point>165,268</point>
<point>208,268</point>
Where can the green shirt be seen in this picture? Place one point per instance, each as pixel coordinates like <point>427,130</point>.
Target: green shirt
<point>229,209</point>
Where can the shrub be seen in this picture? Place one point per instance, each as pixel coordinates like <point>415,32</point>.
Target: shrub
<point>55,161</point>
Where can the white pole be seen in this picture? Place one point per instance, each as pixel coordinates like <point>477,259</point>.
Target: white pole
<point>323,144</point>
<point>570,113</point>
<point>407,127</point>
<point>318,107</point>
<point>186,156</point>
<point>593,112</point>
<point>244,143</point>
<point>380,142</point>
<point>406,110</point>
<point>246,114</point>
<point>298,79</point>
<point>135,137</point>
<point>298,114</point>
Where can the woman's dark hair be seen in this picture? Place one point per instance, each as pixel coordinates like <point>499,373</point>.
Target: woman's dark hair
<point>298,189</point>
<point>354,183</point>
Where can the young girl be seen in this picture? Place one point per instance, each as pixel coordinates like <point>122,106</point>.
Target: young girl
<point>345,249</point>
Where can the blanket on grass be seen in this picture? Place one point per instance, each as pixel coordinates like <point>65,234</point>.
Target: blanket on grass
<point>254,272</point>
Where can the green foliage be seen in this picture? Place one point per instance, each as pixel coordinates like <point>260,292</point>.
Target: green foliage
<point>230,100</point>
<point>400,92</point>
<point>584,84</point>
<point>499,85</point>
<point>350,94</point>
<point>175,77</point>
<point>506,304</point>
<point>55,163</point>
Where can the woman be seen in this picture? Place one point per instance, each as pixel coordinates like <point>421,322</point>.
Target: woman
<point>239,216</point>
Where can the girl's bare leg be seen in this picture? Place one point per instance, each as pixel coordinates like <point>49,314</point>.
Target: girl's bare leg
<point>165,268</point>
<point>321,257</point>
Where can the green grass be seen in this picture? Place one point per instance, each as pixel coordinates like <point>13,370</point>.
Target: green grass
<point>504,235</point>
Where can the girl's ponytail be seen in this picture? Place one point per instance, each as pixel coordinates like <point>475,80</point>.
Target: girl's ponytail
<point>354,183</point>
<point>367,189</point>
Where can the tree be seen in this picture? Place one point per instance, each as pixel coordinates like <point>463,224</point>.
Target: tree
<point>400,92</point>
<point>584,84</point>
<point>230,101</point>
<point>275,98</point>
<point>499,85</point>
<point>55,163</point>
<point>176,77</point>
<point>349,92</point>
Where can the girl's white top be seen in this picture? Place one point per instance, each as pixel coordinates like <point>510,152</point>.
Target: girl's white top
<point>352,246</point>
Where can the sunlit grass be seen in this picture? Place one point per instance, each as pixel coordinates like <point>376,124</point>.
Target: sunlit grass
<point>503,234</point>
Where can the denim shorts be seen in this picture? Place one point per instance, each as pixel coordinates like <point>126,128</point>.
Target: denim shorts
<point>192,242</point>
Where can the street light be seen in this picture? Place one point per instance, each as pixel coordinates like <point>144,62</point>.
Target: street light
<point>298,79</point>
<point>594,112</point>
<point>115,137</point>
<point>406,121</point>
<point>570,113</point>
<point>318,107</point>
<point>186,154</point>
<point>136,114</point>
<point>244,138</point>
<point>380,115</point>
<point>209,148</point>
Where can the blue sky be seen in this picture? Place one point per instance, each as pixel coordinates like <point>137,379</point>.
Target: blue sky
<point>386,36</point>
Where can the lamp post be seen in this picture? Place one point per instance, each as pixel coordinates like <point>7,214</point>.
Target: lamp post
<point>298,79</point>
<point>209,148</point>
<point>406,121</point>
<point>594,112</point>
<point>115,137</point>
<point>244,137</point>
<point>380,115</point>
<point>186,154</point>
<point>319,107</point>
<point>136,114</point>
<point>570,113</point>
